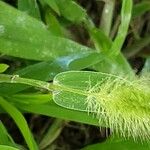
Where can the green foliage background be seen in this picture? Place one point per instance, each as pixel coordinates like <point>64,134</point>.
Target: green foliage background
<point>38,44</point>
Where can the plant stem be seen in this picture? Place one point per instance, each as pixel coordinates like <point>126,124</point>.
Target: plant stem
<point>16,79</point>
<point>4,78</point>
<point>107,16</point>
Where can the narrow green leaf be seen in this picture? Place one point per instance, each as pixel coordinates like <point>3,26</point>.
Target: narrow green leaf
<point>48,69</point>
<point>3,67</point>
<point>71,10</point>
<point>117,65</point>
<point>53,25</point>
<point>146,68</point>
<point>30,7</point>
<point>101,41</point>
<point>32,98</point>
<point>20,121</point>
<point>114,65</point>
<point>126,13</point>
<point>52,110</point>
<point>4,138</point>
<point>53,5</point>
<point>3,135</point>
<point>4,147</point>
<point>140,8</point>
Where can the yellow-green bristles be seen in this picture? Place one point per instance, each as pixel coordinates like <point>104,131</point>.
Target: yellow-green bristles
<point>122,105</point>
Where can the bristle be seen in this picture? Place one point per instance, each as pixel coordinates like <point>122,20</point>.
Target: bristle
<point>124,106</point>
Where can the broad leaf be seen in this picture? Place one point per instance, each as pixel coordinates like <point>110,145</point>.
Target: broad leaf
<point>31,40</point>
<point>74,87</point>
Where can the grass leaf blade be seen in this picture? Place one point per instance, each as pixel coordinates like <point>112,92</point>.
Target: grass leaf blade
<point>126,13</point>
<point>21,123</point>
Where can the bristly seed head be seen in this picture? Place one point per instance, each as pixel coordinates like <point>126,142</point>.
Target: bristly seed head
<point>123,106</point>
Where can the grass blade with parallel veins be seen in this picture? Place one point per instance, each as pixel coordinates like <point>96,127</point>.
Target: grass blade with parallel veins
<point>4,147</point>
<point>36,104</point>
<point>21,123</point>
<point>126,13</point>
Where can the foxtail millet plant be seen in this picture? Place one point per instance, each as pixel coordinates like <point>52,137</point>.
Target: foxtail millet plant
<point>122,104</point>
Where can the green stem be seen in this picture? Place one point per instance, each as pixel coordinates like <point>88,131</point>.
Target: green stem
<point>37,83</point>
<point>107,16</point>
<point>4,78</point>
<point>16,79</point>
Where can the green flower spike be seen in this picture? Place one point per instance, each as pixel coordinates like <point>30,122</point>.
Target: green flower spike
<point>122,105</point>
